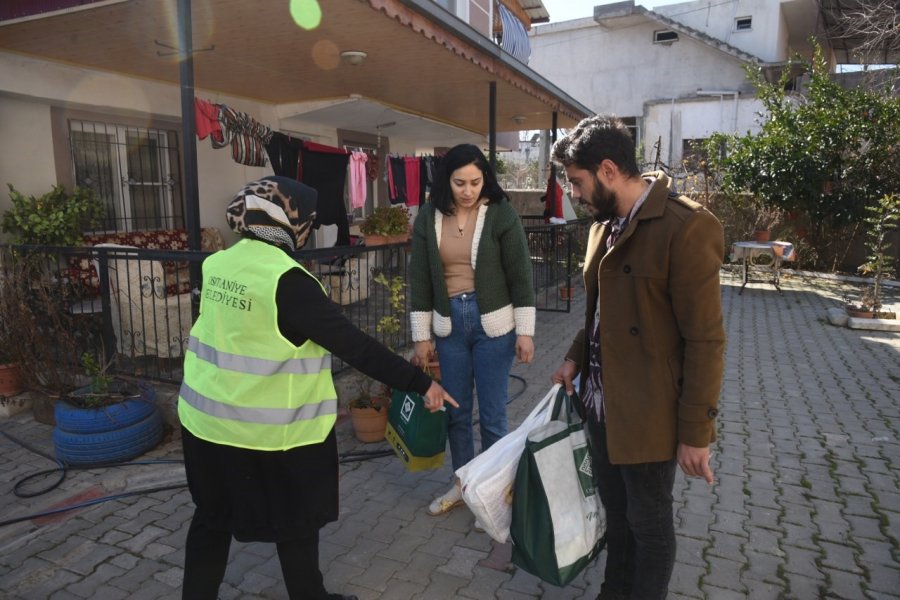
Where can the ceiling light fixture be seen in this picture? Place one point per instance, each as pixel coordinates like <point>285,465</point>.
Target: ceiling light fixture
<point>519,119</point>
<point>354,57</point>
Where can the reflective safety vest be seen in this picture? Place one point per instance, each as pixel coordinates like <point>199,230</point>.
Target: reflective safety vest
<point>245,384</point>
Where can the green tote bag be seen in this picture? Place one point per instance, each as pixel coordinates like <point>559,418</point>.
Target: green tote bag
<point>558,522</point>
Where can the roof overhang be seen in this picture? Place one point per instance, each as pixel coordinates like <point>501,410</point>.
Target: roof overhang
<point>421,60</point>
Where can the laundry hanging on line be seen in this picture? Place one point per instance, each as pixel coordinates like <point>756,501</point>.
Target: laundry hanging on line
<point>226,126</point>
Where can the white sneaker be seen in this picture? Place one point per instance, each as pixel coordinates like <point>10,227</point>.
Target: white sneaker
<point>478,526</point>
<point>446,503</point>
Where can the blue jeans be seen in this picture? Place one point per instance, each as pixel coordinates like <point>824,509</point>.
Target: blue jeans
<point>640,530</point>
<point>468,355</point>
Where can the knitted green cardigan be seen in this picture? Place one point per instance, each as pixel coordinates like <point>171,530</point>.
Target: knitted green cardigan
<point>503,276</point>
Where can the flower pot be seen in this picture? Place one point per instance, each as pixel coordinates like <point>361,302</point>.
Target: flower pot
<point>397,239</point>
<point>10,380</point>
<point>375,240</point>
<point>369,423</point>
<point>858,313</point>
<point>566,292</point>
<point>761,235</point>
<point>107,434</point>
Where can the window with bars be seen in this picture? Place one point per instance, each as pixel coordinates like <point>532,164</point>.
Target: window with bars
<point>134,170</point>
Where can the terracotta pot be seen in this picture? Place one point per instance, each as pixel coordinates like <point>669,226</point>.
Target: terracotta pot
<point>397,239</point>
<point>860,314</point>
<point>368,423</point>
<point>375,240</point>
<point>761,235</point>
<point>566,292</point>
<point>10,380</point>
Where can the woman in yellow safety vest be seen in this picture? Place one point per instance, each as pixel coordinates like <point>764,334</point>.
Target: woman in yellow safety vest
<point>258,404</point>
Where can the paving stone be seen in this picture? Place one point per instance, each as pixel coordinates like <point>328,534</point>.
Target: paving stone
<point>686,580</point>
<point>402,590</point>
<point>485,583</point>
<point>728,546</point>
<point>378,573</point>
<point>725,574</point>
<point>444,586</point>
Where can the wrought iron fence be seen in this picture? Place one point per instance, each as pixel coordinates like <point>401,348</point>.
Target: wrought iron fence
<point>135,307</point>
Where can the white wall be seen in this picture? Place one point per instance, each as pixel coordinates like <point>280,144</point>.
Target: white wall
<point>616,71</point>
<point>692,119</point>
<point>766,39</point>
<point>25,161</point>
<point>30,87</point>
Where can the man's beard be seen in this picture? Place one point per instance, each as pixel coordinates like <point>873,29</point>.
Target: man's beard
<point>603,202</point>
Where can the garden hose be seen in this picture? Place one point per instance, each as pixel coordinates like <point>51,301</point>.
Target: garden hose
<point>62,470</point>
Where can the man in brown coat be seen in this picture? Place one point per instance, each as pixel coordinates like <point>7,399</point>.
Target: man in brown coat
<point>650,356</point>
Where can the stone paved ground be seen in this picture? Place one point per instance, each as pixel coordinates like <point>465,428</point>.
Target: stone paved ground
<point>805,505</point>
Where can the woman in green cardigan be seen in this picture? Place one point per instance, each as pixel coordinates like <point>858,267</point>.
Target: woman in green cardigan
<point>472,292</point>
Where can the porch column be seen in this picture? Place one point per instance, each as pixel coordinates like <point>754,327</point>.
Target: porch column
<point>186,75</point>
<point>492,125</point>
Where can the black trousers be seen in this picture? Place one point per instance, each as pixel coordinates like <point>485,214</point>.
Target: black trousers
<point>640,530</point>
<point>206,555</point>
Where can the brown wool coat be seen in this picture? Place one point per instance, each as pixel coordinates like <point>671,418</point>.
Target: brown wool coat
<point>662,337</point>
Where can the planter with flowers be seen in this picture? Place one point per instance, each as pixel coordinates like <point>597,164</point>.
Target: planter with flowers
<point>386,225</point>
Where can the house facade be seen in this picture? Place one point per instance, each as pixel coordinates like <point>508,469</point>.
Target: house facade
<point>92,93</point>
<point>675,74</point>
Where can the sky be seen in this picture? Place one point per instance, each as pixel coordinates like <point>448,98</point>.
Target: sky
<point>566,10</point>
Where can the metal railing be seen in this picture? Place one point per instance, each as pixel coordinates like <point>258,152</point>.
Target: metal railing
<point>136,306</point>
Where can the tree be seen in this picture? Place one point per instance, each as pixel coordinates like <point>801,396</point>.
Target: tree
<point>822,158</point>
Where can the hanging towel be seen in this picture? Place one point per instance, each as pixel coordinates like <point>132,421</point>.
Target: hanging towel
<point>412,180</point>
<point>284,154</point>
<point>358,162</point>
<point>371,165</point>
<point>246,135</point>
<point>206,119</point>
<point>398,180</point>
<point>327,172</point>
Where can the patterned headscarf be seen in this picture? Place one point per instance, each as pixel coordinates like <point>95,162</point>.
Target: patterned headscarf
<point>277,210</point>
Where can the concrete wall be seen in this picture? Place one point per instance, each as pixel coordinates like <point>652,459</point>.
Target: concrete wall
<point>624,73</point>
<point>767,38</point>
<point>695,118</point>
<point>616,71</point>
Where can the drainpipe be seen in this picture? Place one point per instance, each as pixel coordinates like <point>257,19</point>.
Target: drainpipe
<point>721,94</point>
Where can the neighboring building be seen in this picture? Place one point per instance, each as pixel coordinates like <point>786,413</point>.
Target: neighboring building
<point>90,91</point>
<point>675,74</point>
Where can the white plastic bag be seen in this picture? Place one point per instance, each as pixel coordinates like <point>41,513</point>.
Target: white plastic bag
<point>487,480</point>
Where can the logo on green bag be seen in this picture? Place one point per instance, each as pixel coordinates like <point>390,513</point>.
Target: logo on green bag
<point>585,470</point>
<point>407,409</point>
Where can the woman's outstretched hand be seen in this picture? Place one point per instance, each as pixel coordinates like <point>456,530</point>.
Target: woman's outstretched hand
<point>436,396</point>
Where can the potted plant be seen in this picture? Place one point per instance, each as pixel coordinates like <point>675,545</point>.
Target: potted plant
<point>106,421</point>
<point>10,377</point>
<point>766,218</point>
<point>883,218</point>
<point>386,225</point>
<point>369,411</point>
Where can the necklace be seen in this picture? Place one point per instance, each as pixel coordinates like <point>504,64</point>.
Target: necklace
<point>461,228</point>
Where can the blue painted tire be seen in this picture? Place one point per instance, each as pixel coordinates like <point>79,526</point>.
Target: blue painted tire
<point>109,446</point>
<point>74,419</point>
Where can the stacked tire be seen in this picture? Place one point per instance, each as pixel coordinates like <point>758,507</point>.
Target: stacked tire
<point>109,434</point>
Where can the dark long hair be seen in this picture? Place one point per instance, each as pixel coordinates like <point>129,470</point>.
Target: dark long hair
<point>457,157</point>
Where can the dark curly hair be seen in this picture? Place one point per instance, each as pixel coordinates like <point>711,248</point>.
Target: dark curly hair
<point>457,157</point>
<point>594,140</point>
